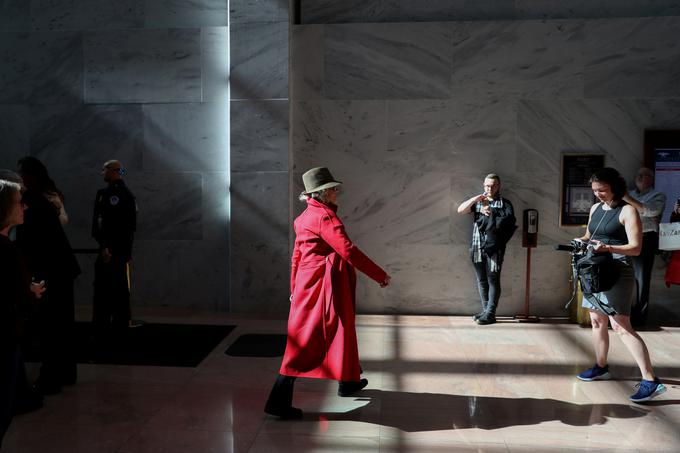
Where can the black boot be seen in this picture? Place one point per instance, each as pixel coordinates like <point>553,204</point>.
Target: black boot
<point>348,388</point>
<point>475,317</point>
<point>26,398</point>
<point>486,318</point>
<point>489,315</point>
<point>280,401</point>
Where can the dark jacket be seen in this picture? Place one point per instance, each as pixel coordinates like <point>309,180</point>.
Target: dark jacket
<point>16,295</point>
<point>496,229</point>
<point>114,220</point>
<point>43,242</point>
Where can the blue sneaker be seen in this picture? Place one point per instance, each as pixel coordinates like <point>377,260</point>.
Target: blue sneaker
<point>596,373</point>
<point>648,390</point>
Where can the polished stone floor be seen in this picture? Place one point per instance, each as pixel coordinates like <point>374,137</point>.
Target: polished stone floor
<point>436,384</point>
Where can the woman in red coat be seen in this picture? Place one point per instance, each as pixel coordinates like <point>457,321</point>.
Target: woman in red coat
<point>322,339</point>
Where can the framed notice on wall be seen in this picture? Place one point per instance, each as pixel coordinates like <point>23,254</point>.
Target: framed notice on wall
<point>576,196</point>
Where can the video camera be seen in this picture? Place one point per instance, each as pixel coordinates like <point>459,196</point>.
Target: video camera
<point>576,247</point>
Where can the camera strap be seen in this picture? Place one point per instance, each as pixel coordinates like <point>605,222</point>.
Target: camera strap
<point>604,214</point>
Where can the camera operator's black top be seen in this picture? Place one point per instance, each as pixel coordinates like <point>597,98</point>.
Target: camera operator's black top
<point>610,231</point>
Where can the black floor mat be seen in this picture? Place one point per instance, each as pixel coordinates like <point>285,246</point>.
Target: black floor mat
<point>258,345</point>
<point>181,345</point>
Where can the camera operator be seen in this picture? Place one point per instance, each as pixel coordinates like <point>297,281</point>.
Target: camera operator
<point>614,227</point>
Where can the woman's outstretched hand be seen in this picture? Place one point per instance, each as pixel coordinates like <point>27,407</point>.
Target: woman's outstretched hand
<point>386,282</point>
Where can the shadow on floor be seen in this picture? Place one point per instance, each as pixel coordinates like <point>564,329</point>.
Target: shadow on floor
<point>415,412</point>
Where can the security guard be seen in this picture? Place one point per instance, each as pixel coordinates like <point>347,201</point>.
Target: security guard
<point>113,226</point>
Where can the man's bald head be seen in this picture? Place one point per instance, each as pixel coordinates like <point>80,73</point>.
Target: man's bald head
<point>112,170</point>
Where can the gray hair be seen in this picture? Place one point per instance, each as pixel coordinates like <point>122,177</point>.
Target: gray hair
<point>9,175</point>
<point>7,200</point>
<point>320,196</point>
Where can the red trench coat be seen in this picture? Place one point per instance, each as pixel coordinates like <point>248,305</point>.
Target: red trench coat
<point>322,339</point>
<point>673,270</point>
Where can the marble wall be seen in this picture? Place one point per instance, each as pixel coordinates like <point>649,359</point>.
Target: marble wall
<point>411,116</point>
<point>260,176</point>
<point>410,110</point>
<point>354,11</point>
<point>146,82</point>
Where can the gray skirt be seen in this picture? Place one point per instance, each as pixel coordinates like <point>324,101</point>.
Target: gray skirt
<point>621,297</point>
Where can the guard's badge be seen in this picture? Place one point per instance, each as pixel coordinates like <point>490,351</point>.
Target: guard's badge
<point>114,200</point>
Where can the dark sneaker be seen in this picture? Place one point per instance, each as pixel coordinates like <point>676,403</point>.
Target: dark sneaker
<point>477,316</point>
<point>648,390</point>
<point>486,319</point>
<point>596,373</point>
<point>348,388</point>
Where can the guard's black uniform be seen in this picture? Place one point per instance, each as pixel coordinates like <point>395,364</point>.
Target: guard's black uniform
<point>113,226</point>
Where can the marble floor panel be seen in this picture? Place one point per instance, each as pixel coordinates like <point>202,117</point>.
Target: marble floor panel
<point>436,384</point>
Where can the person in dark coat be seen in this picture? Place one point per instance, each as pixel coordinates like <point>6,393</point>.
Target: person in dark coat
<point>322,339</point>
<point>16,288</point>
<point>114,222</point>
<point>49,257</point>
<point>494,224</point>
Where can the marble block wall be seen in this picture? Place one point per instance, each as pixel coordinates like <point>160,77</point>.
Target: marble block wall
<point>367,11</point>
<point>193,96</point>
<point>412,115</point>
<point>260,179</point>
<point>146,82</point>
